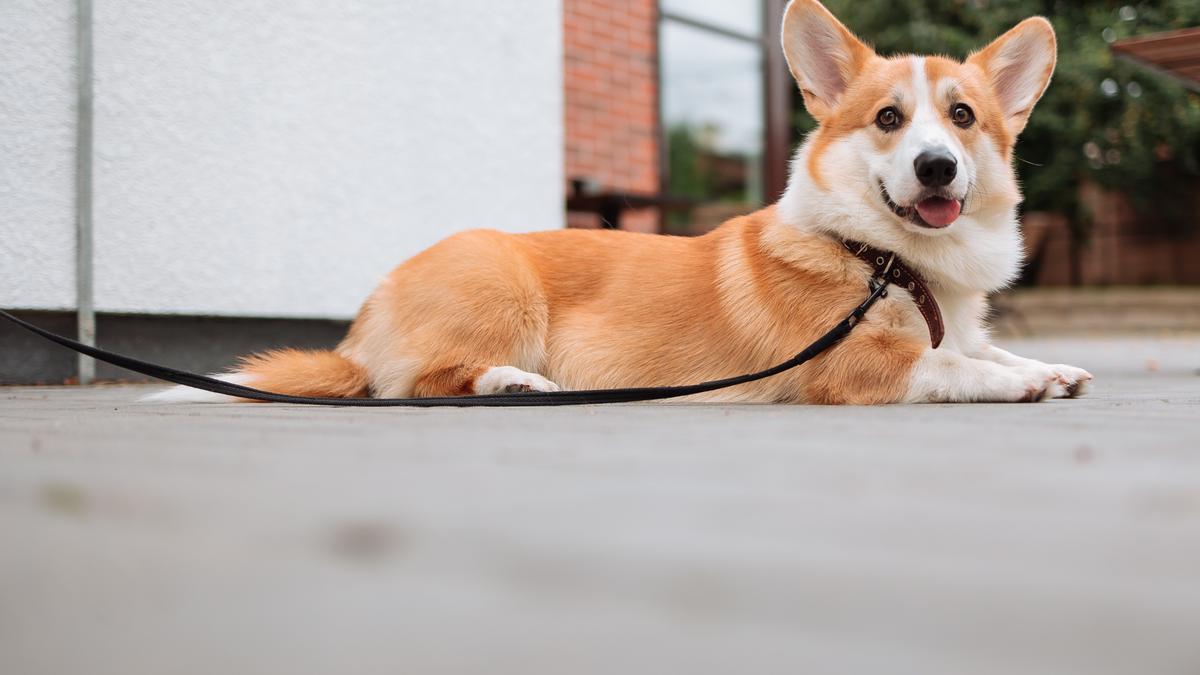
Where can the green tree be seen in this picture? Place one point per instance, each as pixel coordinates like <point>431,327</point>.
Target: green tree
<point>683,163</point>
<point>1102,119</point>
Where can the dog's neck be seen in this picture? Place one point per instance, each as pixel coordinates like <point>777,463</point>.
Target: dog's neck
<point>981,252</point>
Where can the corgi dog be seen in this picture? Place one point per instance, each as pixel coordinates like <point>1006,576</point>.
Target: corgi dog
<point>913,155</point>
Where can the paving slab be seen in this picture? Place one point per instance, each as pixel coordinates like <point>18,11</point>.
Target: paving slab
<point>1058,538</point>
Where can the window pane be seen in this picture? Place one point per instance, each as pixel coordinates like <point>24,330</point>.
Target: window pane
<point>712,114</point>
<point>743,16</point>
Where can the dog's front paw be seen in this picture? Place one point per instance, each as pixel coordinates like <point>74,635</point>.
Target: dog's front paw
<point>510,380</point>
<point>1073,381</point>
<point>1061,381</point>
<point>1038,387</point>
<point>949,377</point>
<point>1065,381</point>
<point>1026,385</point>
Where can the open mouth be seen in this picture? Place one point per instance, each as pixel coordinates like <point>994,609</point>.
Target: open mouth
<point>934,211</point>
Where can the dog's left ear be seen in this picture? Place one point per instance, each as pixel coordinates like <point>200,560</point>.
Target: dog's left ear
<point>1019,65</point>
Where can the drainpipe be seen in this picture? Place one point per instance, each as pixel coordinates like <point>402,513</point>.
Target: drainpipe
<point>84,295</point>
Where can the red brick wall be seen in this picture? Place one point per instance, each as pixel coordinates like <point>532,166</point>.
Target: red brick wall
<point>611,100</point>
<point>1120,249</point>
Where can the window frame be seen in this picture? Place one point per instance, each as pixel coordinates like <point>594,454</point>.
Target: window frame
<point>777,92</point>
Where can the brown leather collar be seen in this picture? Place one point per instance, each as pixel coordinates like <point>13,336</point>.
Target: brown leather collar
<point>884,263</point>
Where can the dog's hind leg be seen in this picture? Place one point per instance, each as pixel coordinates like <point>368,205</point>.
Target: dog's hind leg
<point>467,316</point>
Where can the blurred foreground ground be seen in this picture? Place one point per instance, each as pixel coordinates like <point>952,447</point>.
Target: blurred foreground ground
<point>1061,537</point>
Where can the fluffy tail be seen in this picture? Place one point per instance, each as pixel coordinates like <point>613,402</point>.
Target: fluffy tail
<point>285,371</point>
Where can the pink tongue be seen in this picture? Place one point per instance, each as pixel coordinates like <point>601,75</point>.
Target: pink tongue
<point>938,212</point>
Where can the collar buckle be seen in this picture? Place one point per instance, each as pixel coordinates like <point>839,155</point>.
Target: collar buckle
<point>881,281</point>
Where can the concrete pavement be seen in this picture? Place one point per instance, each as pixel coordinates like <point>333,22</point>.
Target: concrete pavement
<point>1061,537</point>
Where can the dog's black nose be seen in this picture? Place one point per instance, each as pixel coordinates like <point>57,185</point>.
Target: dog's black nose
<point>935,169</point>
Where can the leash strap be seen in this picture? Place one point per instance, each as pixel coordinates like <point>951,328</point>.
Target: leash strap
<point>878,289</point>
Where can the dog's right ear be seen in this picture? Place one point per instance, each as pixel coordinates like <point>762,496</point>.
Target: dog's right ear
<point>823,55</point>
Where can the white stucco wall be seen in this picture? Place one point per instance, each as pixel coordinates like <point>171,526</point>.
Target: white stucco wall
<point>37,154</point>
<point>276,157</point>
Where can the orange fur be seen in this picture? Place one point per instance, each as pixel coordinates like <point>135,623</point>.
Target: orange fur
<point>451,380</point>
<point>305,373</point>
<point>593,309</point>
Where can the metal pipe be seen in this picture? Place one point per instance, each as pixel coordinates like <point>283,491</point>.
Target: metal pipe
<point>84,293</point>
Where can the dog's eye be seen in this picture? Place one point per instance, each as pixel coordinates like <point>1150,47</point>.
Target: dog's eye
<point>888,119</point>
<point>962,115</point>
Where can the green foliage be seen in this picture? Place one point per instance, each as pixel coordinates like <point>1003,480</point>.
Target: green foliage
<point>1143,138</point>
<point>683,158</point>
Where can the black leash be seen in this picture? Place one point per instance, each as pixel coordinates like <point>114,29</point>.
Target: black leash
<point>878,289</point>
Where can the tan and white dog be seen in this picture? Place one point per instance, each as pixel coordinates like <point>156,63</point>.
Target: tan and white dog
<point>913,155</point>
